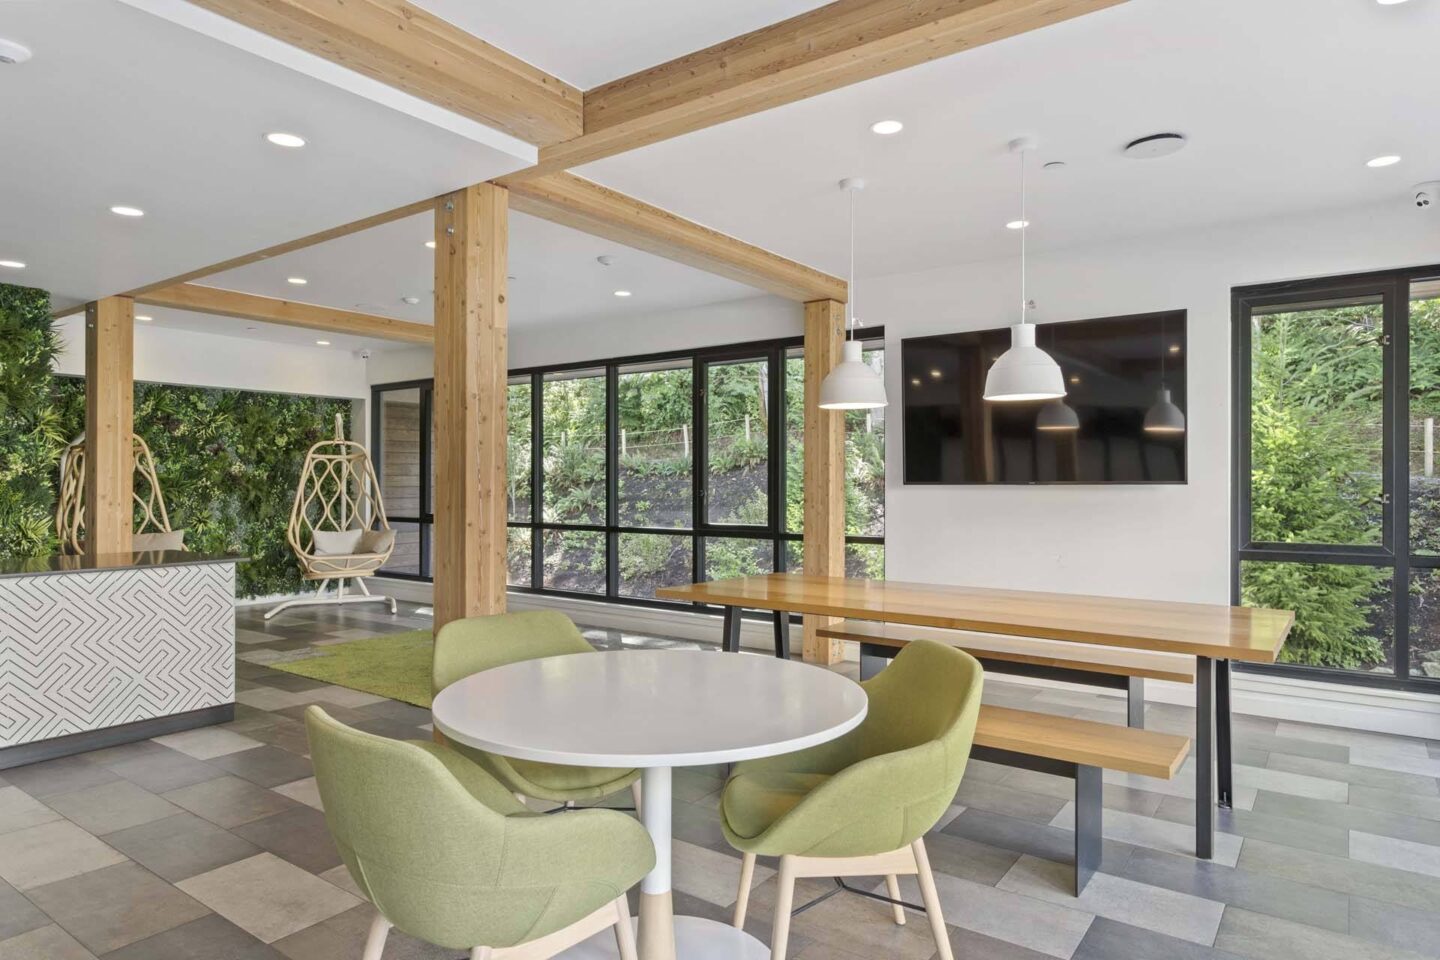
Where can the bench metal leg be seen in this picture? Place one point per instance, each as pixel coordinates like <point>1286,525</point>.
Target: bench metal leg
<point>782,634</point>
<point>1089,834</point>
<point>871,663</point>
<point>1204,758</point>
<point>1224,773</point>
<point>730,637</point>
<point>1135,703</point>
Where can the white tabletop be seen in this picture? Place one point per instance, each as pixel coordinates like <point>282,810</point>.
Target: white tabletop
<point>649,708</point>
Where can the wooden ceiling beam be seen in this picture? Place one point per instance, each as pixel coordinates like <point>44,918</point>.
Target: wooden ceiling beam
<point>410,49</point>
<point>824,49</point>
<point>587,206</point>
<point>247,306</point>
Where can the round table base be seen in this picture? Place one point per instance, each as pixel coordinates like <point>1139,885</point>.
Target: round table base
<point>696,938</point>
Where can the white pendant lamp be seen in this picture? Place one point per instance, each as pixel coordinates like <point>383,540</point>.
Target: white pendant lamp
<point>1163,416</point>
<point>1057,415</point>
<point>853,384</point>
<point>1024,372</point>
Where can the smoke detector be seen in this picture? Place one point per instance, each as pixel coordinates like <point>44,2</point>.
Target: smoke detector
<point>605,259</point>
<point>12,52</point>
<point>1155,145</point>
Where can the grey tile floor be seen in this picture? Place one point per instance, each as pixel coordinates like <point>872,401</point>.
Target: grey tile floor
<point>210,844</point>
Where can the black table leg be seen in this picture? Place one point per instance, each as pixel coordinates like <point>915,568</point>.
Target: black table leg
<point>1224,770</point>
<point>1089,835</point>
<point>730,638</point>
<point>1204,758</point>
<point>782,634</point>
<point>1135,703</point>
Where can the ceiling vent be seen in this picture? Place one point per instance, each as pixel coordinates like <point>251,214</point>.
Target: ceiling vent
<point>12,52</point>
<point>1155,145</point>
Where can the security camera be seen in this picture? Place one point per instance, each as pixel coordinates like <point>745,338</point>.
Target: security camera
<point>365,354</point>
<point>1426,194</point>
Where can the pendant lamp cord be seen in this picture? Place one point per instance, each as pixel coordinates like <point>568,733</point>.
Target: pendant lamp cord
<point>850,325</point>
<point>1024,229</point>
<point>1162,353</point>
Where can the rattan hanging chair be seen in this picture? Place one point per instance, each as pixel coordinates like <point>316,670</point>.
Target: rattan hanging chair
<point>337,524</point>
<point>152,522</point>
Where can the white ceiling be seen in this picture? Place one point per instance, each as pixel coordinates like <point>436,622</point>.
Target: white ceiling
<point>557,277</point>
<point>122,107</point>
<point>1284,101</point>
<point>588,43</point>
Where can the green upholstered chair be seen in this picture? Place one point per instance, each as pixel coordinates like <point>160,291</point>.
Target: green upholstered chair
<point>468,646</point>
<point>446,853</point>
<point>861,805</point>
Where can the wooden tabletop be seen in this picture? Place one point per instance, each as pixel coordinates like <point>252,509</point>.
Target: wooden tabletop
<point>1197,629</point>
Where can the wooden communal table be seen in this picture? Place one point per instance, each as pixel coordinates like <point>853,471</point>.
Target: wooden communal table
<point>1214,634</point>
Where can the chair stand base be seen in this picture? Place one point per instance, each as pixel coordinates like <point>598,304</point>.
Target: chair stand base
<point>842,887</point>
<point>906,861</point>
<point>319,599</point>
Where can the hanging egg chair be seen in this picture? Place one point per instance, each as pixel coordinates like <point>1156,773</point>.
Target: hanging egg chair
<point>152,523</point>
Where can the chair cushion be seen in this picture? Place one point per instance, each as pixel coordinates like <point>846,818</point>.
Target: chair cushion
<point>160,540</point>
<point>754,801</point>
<point>376,541</point>
<point>337,543</point>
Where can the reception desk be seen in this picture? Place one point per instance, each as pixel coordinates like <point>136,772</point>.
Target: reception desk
<point>100,650</point>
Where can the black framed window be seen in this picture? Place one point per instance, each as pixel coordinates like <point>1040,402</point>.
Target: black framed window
<point>630,474</point>
<point>1336,498</point>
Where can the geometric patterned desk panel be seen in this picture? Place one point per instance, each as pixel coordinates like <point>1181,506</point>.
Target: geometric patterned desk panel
<point>85,651</point>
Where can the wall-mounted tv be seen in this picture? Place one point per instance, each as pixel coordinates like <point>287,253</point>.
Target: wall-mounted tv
<point>1114,368</point>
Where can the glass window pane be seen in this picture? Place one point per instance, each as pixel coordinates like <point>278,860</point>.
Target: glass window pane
<point>737,401</point>
<point>1424,412</point>
<point>574,452</point>
<point>399,466</point>
<point>517,558</point>
<point>1316,423</point>
<point>655,409</point>
<point>865,560</point>
<point>1425,623</point>
<point>794,556</point>
<point>405,558</point>
<point>574,560</point>
<point>517,449</point>
<point>727,557</point>
<point>1344,613</point>
<point>794,519</point>
<point>865,462</point>
<point>649,561</point>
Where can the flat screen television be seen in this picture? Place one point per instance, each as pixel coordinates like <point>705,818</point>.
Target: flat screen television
<point>1114,370</point>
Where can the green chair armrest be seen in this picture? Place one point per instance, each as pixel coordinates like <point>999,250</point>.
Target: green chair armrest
<point>585,846</point>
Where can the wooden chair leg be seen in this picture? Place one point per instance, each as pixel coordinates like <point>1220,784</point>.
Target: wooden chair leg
<point>784,902</point>
<point>931,898</point>
<point>624,933</point>
<point>892,890</point>
<point>635,792</point>
<point>375,942</point>
<point>742,898</point>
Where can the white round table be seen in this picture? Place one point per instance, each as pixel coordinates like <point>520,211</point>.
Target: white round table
<point>655,710</point>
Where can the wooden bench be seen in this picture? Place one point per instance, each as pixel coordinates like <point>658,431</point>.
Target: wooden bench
<point>1081,750</point>
<point>1108,667</point>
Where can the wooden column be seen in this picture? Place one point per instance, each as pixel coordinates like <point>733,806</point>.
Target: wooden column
<point>824,467</point>
<point>471,249</point>
<point>109,424</point>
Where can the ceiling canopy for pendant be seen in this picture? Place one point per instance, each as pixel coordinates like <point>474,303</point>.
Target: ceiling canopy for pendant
<point>853,384</point>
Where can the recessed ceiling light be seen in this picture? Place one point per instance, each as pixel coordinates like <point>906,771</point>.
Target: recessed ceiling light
<point>1155,145</point>
<point>127,211</point>
<point>1017,224</point>
<point>13,264</point>
<point>143,318</point>
<point>322,343</point>
<point>935,374</point>
<point>298,281</point>
<point>1389,3</point>
<point>914,381</point>
<point>12,52</point>
<point>1174,348</point>
<point>1389,160</point>
<point>886,128</point>
<point>1054,165</point>
<point>410,300</point>
<point>290,140</point>
<point>622,293</point>
<point>1075,379</point>
<point>430,244</point>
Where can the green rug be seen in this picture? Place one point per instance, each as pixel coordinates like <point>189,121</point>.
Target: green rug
<point>395,666</point>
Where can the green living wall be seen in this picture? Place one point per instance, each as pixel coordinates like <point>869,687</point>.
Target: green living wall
<point>228,460</point>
